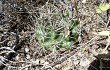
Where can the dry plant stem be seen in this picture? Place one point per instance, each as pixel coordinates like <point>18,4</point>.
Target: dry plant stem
<point>105,49</point>
<point>108,14</point>
<point>25,67</point>
<point>100,64</point>
<point>75,5</point>
<point>4,41</point>
<point>108,21</point>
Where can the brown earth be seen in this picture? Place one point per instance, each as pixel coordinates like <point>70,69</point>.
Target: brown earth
<point>17,31</point>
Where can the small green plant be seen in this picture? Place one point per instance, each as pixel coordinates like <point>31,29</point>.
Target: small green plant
<point>103,7</point>
<point>53,36</point>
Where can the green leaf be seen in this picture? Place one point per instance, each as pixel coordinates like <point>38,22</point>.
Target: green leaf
<point>102,8</point>
<point>67,44</point>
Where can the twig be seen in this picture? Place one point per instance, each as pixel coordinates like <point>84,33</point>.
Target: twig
<point>75,5</point>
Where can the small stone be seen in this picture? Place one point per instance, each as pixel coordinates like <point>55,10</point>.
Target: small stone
<point>17,57</point>
<point>37,61</point>
<point>26,69</point>
<point>42,61</point>
<point>76,62</point>
<point>84,1</point>
<point>84,62</point>
<point>80,54</point>
<point>28,56</point>
<point>26,50</point>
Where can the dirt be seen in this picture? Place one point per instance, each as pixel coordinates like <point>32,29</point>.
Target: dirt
<point>20,36</point>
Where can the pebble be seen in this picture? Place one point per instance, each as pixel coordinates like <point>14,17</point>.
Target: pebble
<point>83,1</point>
<point>28,56</point>
<point>26,50</point>
<point>84,62</point>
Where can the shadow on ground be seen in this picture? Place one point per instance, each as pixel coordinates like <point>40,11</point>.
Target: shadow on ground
<point>101,63</point>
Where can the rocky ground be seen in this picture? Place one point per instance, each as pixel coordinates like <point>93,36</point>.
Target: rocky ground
<point>17,31</point>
